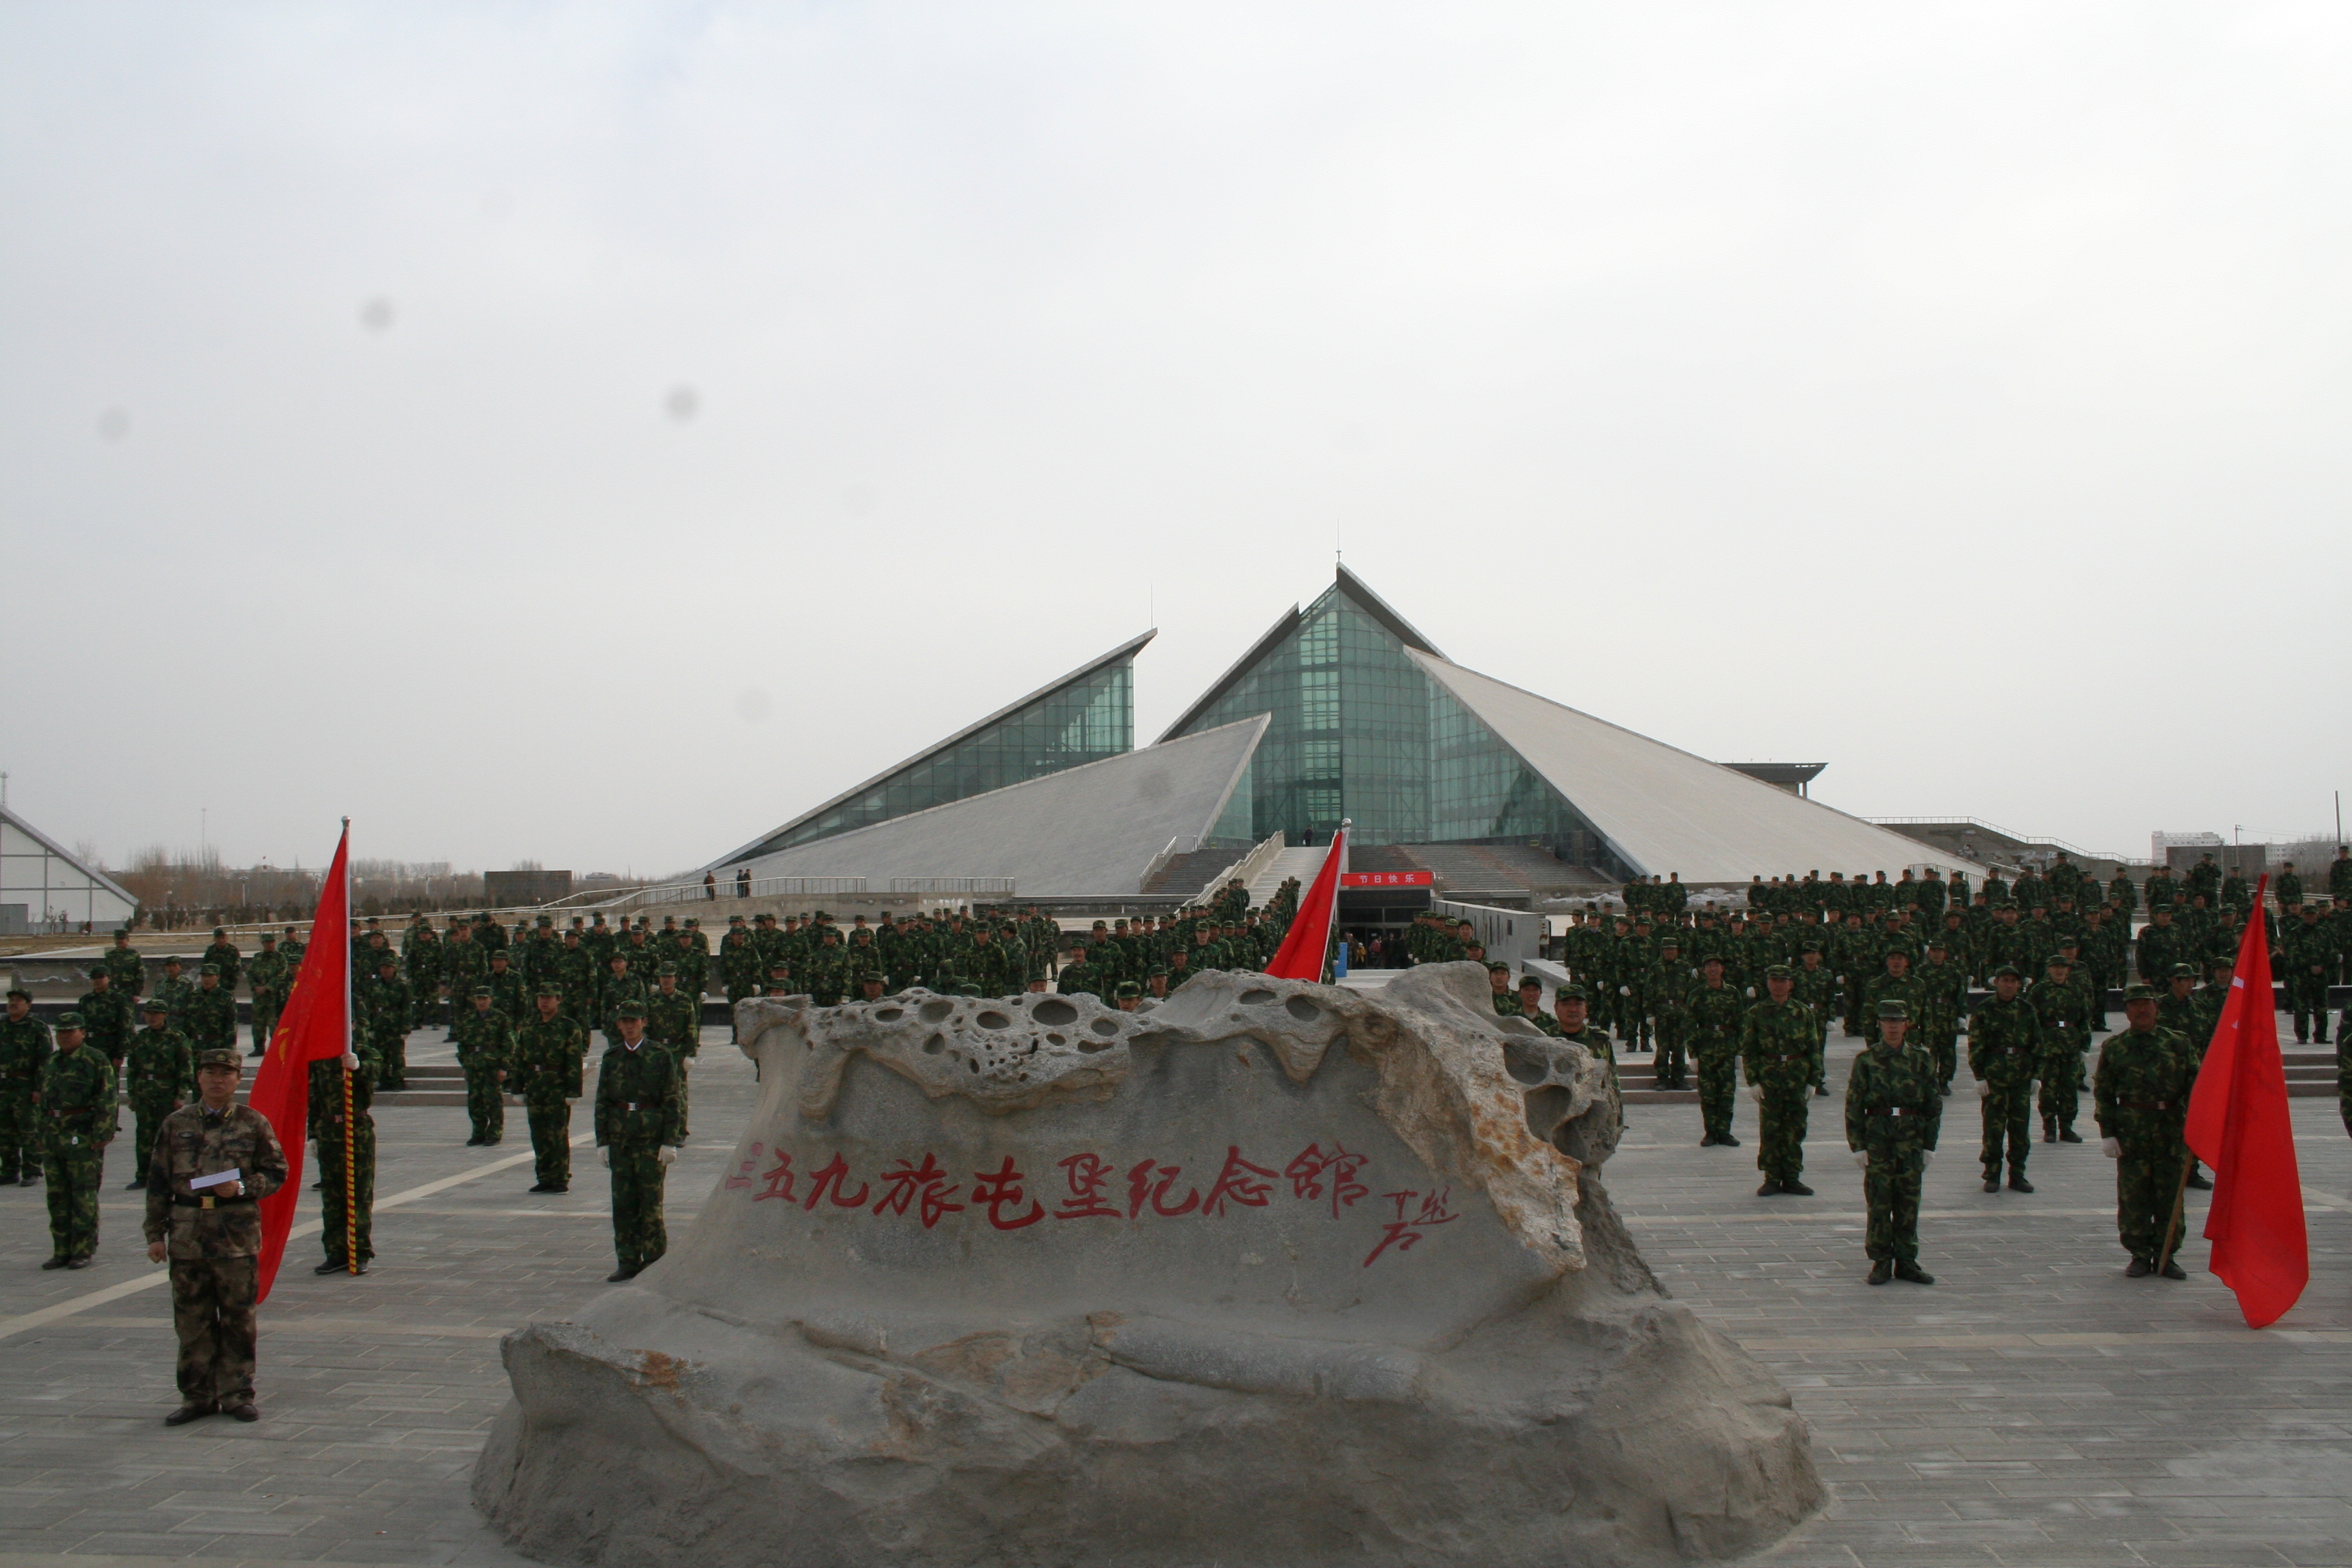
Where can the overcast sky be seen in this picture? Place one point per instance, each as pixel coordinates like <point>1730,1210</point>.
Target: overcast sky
<point>594,434</point>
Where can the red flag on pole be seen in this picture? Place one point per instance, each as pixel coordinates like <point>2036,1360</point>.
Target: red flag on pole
<point>316,1026</point>
<point>1306,947</point>
<point>2239,1124</point>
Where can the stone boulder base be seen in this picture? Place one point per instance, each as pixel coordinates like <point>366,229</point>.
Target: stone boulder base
<point>1271,1274</point>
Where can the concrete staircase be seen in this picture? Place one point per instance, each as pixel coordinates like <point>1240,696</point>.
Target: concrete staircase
<point>2310,1074</point>
<point>1300,863</point>
<point>1637,1081</point>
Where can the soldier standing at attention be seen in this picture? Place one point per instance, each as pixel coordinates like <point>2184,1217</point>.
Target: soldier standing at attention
<point>549,1053</point>
<point>124,964</point>
<point>1669,983</point>
<point>346,1219</point>
<point>2065,1020</point>
<point>1894,1110</point>
<point>160,1076</point>
<point>77,1121</point>
<point>2141,1094</point>
<point>106,1018</point>
<point>1714,1011</point>
<point>24,1047</point>
<point>1776,1040</point>
<point>1945,988</point>
<point>385,1011</point>
<point>2005,1051</point>
<point>640,1125</point>
<point>224,957</point>
<point>674,1022</point>
<point>267,977</point>
<point>210,1017</point>
<point>212,1235</point>
<point>486,1044</point>
<point>175,992</point>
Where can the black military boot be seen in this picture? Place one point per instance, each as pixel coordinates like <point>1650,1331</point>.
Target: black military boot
<point>1797,1189</point>
<point>1992,1182</point>
<point>1908,1270</point>
<point>2017,1183</point>
<point>2067,1134</point>
<point>2172,1270</point>
<point>1881,1271</point>
<point>2137,1269</point>
<point>1770,1189</point>
<point>2050,1129</point>
<point>2197,1179</point>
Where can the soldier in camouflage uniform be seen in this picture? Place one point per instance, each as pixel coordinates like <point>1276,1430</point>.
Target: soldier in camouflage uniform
<point>1944,992</point>
<point>160,1075</point>
<point>640,1125</point>
<point>621,983</point>
<point>209,1019</point>
<point>25,1048</point>
<point>213,1237</point>
<point>385,1015</point>
<point>174,992</point>
<point>1715,1012</point>
<point>107,1014</point>
<point>464,964</point>
<point>1777,1037</point>
<point>674,1022</point>
<point>346,1209</point>
<point>1816,988</point>
<point>549,1052</point>
<point>77,1121</point>
<point>508,995</point>
<point>2065,1020</point>
<point>2307,959</point>
<point>270,978</point>
<point>124,967</point>
<point>2140,1093</point>
<point>1893,1111</point>
<point>1668,984</point>
<point>2005,1052</point>
<point>486,1047</point>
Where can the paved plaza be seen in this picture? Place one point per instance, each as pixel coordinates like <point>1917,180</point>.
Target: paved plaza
<point>2033,1407</point>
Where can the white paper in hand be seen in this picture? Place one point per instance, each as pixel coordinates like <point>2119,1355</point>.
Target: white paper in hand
<point>220,1179</point>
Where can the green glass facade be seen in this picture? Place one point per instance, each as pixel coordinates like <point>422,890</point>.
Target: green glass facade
<point>1358,730</point>
<point>1085,721</point>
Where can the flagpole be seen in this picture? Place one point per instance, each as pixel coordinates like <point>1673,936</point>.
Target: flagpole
<point>351,1209</point>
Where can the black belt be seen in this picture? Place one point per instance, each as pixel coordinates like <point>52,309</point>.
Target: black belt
<point>1897,1111</point>
<point>2144,1104</point>
<point>641,1105</point>
<point>204,1203</point>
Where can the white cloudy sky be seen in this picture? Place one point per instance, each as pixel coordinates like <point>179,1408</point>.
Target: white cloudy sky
<point>1958,395</point>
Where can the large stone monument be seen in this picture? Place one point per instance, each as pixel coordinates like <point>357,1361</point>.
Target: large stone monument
<point>1272,1274</point>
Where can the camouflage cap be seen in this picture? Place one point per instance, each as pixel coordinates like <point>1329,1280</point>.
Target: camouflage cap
<point>1528,979</point>
<point>2060,960</point>
<point>1674,942</point>
<point>223,930</point>
<point>1779,971</point>
<point>668,969</point>
<point>782,967</point>
<point>630,1010</point>
<point>2138,993</point>
<point>1895,1010</point>
<point>547,919</point>
<point>220,1057</point>
<point>481,992</point>
<point>1495,964</point>
<point>1812,947</point>
<point>172,961</point>
<point>20,991</point>
<point>391,960</point>
<point>870,977</point>
<point>267,937</point>
<point>100,975</point>
<point>211,968</point>
<point>2182,972</point>
<point>1128,988</point>
<point>1155,969</point>
<point>2008,969</point>
<point>555,991</point>
<point>71,1021</point>
<point>154,1004</point>
<point>1572,992</point>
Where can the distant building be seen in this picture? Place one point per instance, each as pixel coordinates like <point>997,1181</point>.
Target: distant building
<point>45,888</point>
<point>514,890</point>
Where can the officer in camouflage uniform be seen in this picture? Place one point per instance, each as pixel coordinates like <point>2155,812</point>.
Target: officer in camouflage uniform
<point>2006,1050</point>
<point>2065,1020</point>
<point>108,1017</point>
<point>1894,983</point>
<point>213,1237</point>
<point>549,1052</point>
<point>209,1019</point>
<point>464,963</point>
<point>1715,1011</point>
<point>2307,959</point>
<point>486,1049</point>
<point>1893,1111</point>
<point>640,1125</point>
<point>25,1048</point>
<point>160,1075</point>
<point>77,1121</point>
<point>2140,1094</point>
<point>674,1022</point>
<point>346,1221</point>
<point>1777,1037</point>
<point>270,978</point>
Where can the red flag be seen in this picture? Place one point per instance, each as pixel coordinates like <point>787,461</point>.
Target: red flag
<point>1307,946</point>
<point>2239,1124</point>
<point>315,1025</point>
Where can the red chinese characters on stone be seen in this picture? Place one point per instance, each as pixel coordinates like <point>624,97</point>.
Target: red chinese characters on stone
<point>740,1179</point>
<point>1316,1172</point>
<point>1088,1175</point>
<point>1402,1233</point>
<point>1000,1190</point>
<point>907,1181</point>
<point>1140,1187</point>
<point>779,1180</point>
<point>834,1174</point>
<point>1238,1182</point>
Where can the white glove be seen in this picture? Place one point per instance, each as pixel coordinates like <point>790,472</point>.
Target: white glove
<point>607,1155</point>
<point>1861,1158</point>
<point>1984,1089</point>
<point>1624,991</point>
<point>2112,1148</point>
<point>1756,1092</point>
<point>1751,993</point>
<point>667,1155</point>
<point>1927,1158</point>
<point>351,1061</point>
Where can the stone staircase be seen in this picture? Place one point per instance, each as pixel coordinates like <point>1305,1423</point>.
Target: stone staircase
<point>1637,1081</point>
<point>1301,863</point>
<point>2310,1074</point>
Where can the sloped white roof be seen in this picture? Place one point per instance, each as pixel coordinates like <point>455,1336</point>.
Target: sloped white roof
<point>1663,809</point>
<point>1089,829</point>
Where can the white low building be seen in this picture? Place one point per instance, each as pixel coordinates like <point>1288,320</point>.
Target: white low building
<point>46,888</point>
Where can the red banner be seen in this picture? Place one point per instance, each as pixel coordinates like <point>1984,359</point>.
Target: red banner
<point>316,1026</point>
<point>2239,1123</point>
<point>1385,878</point>
<point>1307,949</point>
